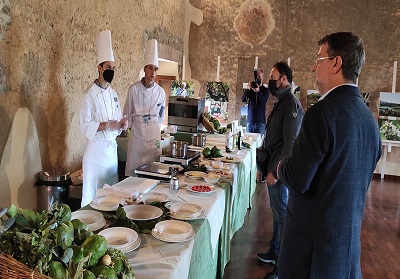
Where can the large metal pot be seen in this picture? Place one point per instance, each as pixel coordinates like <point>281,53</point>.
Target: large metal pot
<point>199,140</point>
<point>179,149</point>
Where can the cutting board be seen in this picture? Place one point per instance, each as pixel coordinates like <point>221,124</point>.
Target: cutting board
<point>142,185</point>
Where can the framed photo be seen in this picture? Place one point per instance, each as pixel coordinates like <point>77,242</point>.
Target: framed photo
<point>182,88</point>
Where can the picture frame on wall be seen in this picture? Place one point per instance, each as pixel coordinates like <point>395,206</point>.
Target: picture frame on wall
<point>389,116</point>
<point>182,88</point>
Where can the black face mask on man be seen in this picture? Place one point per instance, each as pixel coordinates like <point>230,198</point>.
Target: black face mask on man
<point>108,75</point>
<point>272,86</point>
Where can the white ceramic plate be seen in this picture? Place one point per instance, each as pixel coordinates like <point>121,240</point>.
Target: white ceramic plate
<point>201,189</point>
<point>93,219</point>
<point>196,175</point>
<point>142,212</point>
<point>106,203</point>
<point>186,218</point>
<point>119,237</point>
<point>185,209</point>
<point>159,237</point>
<point>173,229</point>
<point>155,197</point>
<point>134,245</point>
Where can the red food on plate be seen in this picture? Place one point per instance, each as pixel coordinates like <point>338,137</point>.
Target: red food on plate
<point>201,188</point>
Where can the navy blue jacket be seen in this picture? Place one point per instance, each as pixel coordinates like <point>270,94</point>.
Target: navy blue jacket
<point>256,104</point>
<point>328,174</point>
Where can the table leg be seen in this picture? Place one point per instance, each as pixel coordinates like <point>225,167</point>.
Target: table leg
<point>385,151</point>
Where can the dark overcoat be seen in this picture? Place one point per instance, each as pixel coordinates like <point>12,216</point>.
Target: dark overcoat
<point>328,174</point>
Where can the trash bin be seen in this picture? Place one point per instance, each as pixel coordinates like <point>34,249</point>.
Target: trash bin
<point>52,184</point>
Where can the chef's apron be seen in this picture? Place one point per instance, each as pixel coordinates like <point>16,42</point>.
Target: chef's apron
<point>100,165</point>
<point>144,145</point>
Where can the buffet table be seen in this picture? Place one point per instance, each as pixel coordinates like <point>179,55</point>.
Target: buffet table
<point>206,255</point>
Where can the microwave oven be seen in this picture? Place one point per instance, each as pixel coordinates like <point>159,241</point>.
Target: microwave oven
<point>185,113</point>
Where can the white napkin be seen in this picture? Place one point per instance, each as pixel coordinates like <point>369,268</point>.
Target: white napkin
<point>112,190</point>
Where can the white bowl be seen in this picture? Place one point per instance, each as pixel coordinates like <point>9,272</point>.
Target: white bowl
<point>185,209</point>
<point>119,237</point>
<point>211,178</point>
<point>93,219</point>
<point>142,212</point>
<point>106,203</point>
<point>173,229</point>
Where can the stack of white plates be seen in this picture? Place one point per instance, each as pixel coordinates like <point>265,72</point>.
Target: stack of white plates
<point>154,197</point>
<point>142,212</point>
<point>93,219</point>
<point>106,203</point>
<point>173,231</point>
<point>124,239</point>
<point>186,211</point>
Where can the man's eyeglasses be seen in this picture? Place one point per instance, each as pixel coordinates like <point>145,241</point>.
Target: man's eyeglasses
<point>319,59</point>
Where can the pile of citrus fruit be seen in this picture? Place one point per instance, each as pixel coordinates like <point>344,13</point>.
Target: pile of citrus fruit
<point>214,152</point>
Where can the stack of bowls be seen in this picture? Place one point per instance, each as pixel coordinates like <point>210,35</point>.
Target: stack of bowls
<point>93,219</point>
<point>186,211</point>
<point>173,230</point>
<point>119,237</point>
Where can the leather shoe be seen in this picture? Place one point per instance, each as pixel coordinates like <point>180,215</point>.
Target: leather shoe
<point>273,274</point>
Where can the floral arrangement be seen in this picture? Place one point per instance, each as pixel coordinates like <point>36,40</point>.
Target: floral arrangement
<point>390,131</point>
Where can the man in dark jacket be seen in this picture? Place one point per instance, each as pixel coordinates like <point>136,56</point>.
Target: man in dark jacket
<point>283,126</point>
<point>329,170</point>
<point>256,98</point>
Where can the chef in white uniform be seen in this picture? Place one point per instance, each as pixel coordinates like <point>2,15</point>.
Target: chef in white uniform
<point>101,122</point>
<point>145,108</point>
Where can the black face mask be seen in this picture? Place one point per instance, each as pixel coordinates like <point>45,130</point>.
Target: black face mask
<point>272,86</point>
<point>108,75</point>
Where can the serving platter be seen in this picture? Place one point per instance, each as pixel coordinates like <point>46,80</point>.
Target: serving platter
<point>201,189</point>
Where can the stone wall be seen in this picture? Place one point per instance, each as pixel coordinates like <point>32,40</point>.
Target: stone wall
<point>47,55</point>
<point>47,59</point>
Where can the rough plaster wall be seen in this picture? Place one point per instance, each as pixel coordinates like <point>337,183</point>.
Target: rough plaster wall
<point>47,59</point>
<point>298,27</point>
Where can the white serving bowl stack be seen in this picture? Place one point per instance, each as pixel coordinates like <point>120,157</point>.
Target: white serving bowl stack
<point>93,219</point>
<point>173,230</point>
<point>185,210</point>
<point>119,237</point>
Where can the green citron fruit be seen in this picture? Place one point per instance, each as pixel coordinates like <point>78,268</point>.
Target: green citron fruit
<point>96,245</point>
<point>206,152</point>
<point>87,274</point>
<point>103,271</point>
<point>63,235</point>
<point>57,270</point>
<point>118,265</point>
<point>214,151</point>
<point>218,153</point>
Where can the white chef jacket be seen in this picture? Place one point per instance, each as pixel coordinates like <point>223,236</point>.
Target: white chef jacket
<point>145,108</point>
<point>100,160</point>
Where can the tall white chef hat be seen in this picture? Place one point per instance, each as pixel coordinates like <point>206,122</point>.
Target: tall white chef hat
<point>104,47</point>
<point>151,53</point>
